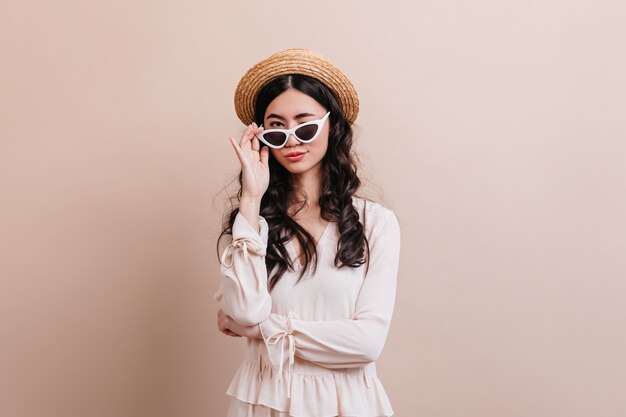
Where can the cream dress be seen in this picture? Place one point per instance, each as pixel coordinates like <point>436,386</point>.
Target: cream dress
<point>321,337</point>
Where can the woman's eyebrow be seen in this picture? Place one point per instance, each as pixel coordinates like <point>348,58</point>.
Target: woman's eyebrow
<point>298,116</point>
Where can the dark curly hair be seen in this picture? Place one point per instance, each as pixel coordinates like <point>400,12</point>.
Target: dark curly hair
<point>339,184</point>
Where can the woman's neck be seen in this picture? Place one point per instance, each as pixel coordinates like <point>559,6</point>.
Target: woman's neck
<point>310,184</point>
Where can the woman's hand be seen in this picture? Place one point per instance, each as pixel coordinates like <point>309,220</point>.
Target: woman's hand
<point>230,327</point>
<point>254,163</point>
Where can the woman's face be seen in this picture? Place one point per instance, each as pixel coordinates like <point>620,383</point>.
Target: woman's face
<point>289,109</point>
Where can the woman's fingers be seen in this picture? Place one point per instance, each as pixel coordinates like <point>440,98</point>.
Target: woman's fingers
<point>245,136</point>
<point>256,145</point>
<point>242,154</point>
<point>265,154</point>
<point>248,138</point>
<point>239,151</point>
<point>253,160</point>
<point>249,134</point>
<point>224,323</point>
<point>230,327</point>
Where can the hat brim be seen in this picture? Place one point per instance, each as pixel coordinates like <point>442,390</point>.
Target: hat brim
<point>294,61</point>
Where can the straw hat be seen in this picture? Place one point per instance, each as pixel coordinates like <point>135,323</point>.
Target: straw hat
<point>294,61</point>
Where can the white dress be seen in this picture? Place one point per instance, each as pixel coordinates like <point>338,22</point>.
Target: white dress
<point>321,337</point>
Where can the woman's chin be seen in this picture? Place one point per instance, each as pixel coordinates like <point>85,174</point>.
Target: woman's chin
<point>297,169</point>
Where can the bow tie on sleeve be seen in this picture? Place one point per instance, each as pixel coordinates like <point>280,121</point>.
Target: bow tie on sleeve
<point>244,244</point>
<point>283,337</point>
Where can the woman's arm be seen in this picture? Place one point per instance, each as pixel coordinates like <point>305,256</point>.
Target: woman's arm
<point>351,342</point>
<point>243,293</point>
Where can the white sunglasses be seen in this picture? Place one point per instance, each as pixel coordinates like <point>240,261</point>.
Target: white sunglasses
<point>306,132</point>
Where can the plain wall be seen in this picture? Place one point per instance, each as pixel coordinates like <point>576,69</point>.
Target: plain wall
<point>494,129</point>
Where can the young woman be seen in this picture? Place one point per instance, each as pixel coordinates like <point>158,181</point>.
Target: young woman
<point>308,268</point>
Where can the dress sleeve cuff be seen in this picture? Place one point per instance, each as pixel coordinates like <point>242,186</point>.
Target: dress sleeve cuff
<point>246,239</point>
<point>243,228</point>
<point>277,332</point>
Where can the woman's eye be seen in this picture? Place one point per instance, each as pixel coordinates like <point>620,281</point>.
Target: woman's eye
<point>275,124</point>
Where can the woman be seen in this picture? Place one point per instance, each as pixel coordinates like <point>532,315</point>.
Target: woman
<point>308,269</point>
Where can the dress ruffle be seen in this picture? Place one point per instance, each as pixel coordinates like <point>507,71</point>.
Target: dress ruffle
<point>345,392</point>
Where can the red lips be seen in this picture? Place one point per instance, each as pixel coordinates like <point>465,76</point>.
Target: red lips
<point>295,154</point>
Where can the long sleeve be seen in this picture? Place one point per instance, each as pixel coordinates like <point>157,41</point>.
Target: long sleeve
<point>351,342</point>
<point>243,293</point>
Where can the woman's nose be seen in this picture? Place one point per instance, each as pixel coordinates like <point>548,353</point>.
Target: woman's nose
<point>292,141</point>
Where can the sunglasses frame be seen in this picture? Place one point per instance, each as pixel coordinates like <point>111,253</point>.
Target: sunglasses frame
<point>292,131</point>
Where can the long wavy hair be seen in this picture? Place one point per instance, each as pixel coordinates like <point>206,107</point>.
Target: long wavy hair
<point>340,183</point>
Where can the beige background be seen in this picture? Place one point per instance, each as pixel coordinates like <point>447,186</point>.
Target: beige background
<point>495,130</point>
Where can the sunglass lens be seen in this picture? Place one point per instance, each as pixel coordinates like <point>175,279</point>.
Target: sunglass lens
<point>275,138</point>
<point>307,132</point>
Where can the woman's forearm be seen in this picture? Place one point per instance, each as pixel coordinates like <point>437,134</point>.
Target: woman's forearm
<point>250,208</point>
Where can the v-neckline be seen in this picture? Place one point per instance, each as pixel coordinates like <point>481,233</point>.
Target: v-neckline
<point>293,247</point>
